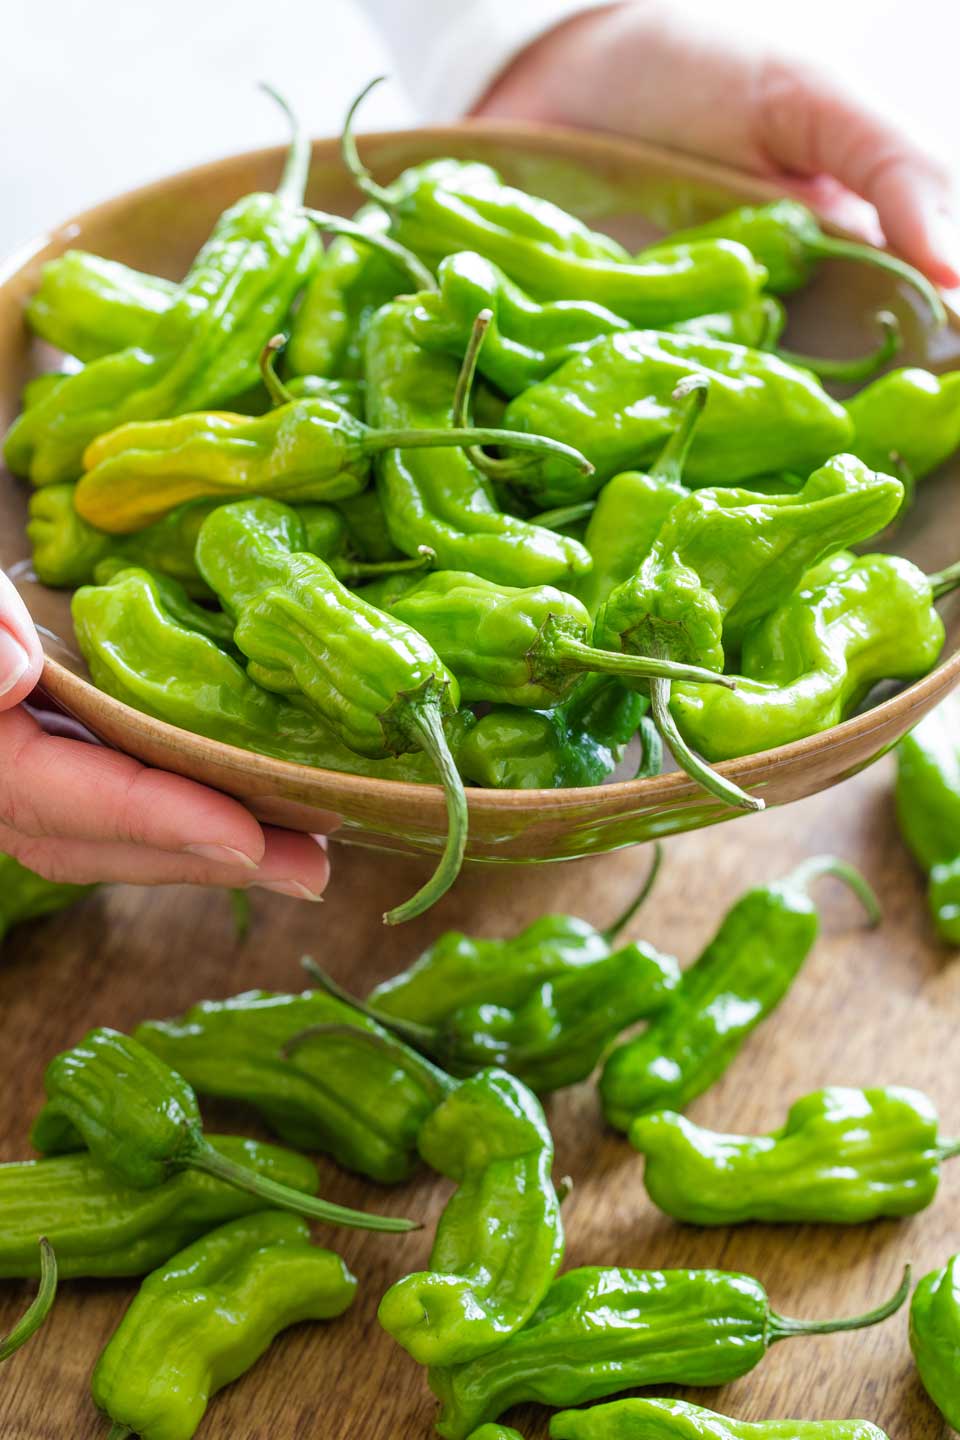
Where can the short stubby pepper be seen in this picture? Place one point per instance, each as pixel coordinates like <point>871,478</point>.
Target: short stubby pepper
<point>739,979</point>
<point>140,1120</point>
<point>599,1331</point>
<point>928,808</point>
<point>24,895</point>
<point>100,1226</point>
<point>207,1315</point>
<point>843,1157</point>
<point>763,414</point>
<point>908,413</point>
<point>935,1338</point>
<point>88,306</point>
<point>235,1050</point>
<point>499,1241</point>
<point>40,1306</point>
<point>679,1420</point>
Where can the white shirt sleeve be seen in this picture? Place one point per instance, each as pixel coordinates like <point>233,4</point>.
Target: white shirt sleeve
<point>447,52</point>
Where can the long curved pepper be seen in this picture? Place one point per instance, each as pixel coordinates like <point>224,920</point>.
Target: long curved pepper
<point>35,1314</point>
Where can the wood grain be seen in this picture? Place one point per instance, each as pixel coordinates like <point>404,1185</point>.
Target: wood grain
<point>869,1008</point>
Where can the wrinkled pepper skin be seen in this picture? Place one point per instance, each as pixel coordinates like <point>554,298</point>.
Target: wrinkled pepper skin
<point>233,1049</point>
<point>679,1420</point>
<point>843,1157</point>
<point>935,1338</point>
<point>25,895</point>
<point>739,979</point>
<point>102,1228</point>
<point>203,620</point>
<point>440,499</point>
<point>207,1315</point>
<point>499,1242</point>
<point>809,663</point>
<point>928,809</point>
<point>763,414</point>
<point>599,1331</point>
<point>88,306</point>
<point>909,413</point>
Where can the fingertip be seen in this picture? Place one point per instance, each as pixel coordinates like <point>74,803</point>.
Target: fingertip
<point>293,864</point>
<point>20,669</point>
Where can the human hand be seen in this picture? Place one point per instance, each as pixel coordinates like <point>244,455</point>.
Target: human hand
<point>650,70</point>
<point>78,812</point>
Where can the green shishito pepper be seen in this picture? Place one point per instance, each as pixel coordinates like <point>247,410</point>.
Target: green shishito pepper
<point>235,1049</point>
<point>38,1309</point>
<point>206,1316</point>
<point>88,306</point>
<point>100,1226</point>
<point>496,1432</point>
<point>909,413</point>
<point>843,1157</point>
<point>811,661</point>
<point>928,808</point>
<point>599,1331</point>
<point>372,680</point>
<point>935,1338</point>
<point>742,975</point>
<point>785,238</point>
<point>679,1420</point>
<point>201,351</point>
<point>25,895</point>
<point>140,1120</point>
<point>499,1241</point>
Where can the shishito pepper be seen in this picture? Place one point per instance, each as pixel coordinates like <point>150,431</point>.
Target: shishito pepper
<point>496,1432</point>
<point>235,1049</point>
<point>650,1419</point>
<point>202,350</point>
<point>742,975</point>
<point>499,1241</point>
<point>599,1331</point>
<point>843,1157</point>
<point>39,1307</point>
<point>935,1338</point>
<point>928,808</point>
<point>89,306</point>
<point>909,413</point>
<point>25,895</point>
<point>101,1226</point>
<point>140,1120</point>
<point>207,1315</point>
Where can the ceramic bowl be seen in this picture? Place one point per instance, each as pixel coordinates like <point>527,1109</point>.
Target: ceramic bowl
<point>635,192</point>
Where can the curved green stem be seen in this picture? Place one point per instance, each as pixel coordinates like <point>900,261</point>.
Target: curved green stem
<point>830,247</point>
<point>350,155</point>
<point>427,726</point>
<point>430,1079</point>
<point>240,910</point>
<point>697,769</point>
<point>945,581</point>
<point>293,181</point>
<point>399,256</point>
<point>652,742</point>
<point>368,569</point>
<point>563,515</point>
<point>783,1328</point>
<point>275,388</point>
<point>576,655</point>
<point>211,1162</point>
<point>467,438</point>
<point>949,1150</point>
<point>39,1308</point>
<point>864,367</point>
<point>623,919</point>
<point>805,874</point>
<point>774,319</point>
<point>418,1035</point>
<point>691,394</point>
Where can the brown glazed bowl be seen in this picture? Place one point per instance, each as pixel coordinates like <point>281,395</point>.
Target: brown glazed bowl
<point>634,191</point>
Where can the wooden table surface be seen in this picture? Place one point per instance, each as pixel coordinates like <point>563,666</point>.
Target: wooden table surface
<point>870,1008</point>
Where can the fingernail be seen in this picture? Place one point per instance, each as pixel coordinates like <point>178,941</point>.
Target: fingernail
<point>292,888</point>
<point>321,840</point>
<point>221,855</point>
<point>14,662</point>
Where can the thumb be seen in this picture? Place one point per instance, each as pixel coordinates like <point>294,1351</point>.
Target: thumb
<point>21,658</point>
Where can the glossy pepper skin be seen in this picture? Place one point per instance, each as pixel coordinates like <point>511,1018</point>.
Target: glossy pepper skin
<point>202,350</point>
<point>740,978</point>
<point>499,1242</point>
<point>599,1331</point>
<point>235,1049</point>
<point>935,1338</point>
<point>101,1227</point>
<point>25,895</point>
<point>440,499</point>
<point>910,413</point>
<point>843,1157</point>
<point>140,1120</point>
<point>928,809</point>
<point>88,306</point>
<point>650,1419</point>
<point>207,1315</point>
<point>763,414</point>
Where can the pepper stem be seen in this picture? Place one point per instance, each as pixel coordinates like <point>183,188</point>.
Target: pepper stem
<point>426,724</point>
<point>430,1081</point>
<point>367,570</point>
<point>949,1150</point>
<point>39,1308</point>
<point>830,247</point>
<point>488,464</point>
<point>691,395</point>
<point>399,256</point>
<point>576,655</point>
<point>350,155</point>
<point>467,438</point>
<point>211,1162</point>
<point>942,582</point>
<point>407,1029</point>
<point>864,367</point>
<point>563,515</point>
<point>805,874</point>
<point>240,912</point>
<point>652,742</point>
<point>697,769</point>
<point>278,392</point>
<point>623,920</point>
<point>293,181</point>
<point>783,1328</point>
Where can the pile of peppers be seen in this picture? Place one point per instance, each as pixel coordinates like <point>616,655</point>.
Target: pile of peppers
<point>517,497</point>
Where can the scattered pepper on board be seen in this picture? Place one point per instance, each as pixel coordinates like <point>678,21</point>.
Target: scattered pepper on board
<point>928,808</point>
<point>935,1338</point>
<point>651,1419</point>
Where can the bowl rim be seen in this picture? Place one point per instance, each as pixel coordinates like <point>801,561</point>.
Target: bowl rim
<point>65,686</point>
